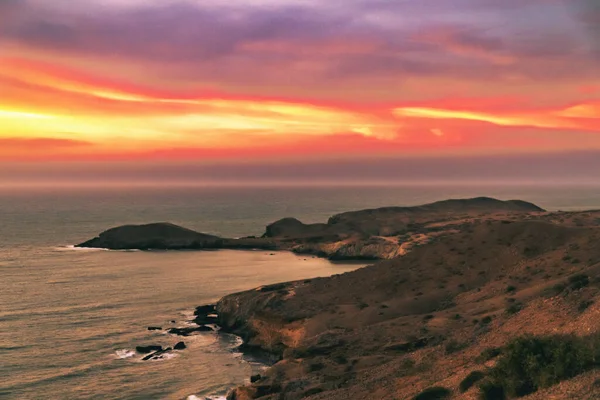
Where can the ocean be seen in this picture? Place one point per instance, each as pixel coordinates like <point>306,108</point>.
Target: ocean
<point>71,318</point>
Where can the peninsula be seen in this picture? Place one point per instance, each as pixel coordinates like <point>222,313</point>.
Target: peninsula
<point>382,233</point>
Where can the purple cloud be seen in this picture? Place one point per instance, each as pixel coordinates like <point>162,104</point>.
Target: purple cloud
<point>190,40</point>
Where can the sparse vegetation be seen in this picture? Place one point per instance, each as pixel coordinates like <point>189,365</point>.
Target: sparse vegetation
<point>574,283</point>
<point>532,363</point>
<point>434,393</point>
<point>578,281</point>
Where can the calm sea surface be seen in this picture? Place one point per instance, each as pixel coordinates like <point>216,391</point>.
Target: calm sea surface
<point>70,318</point>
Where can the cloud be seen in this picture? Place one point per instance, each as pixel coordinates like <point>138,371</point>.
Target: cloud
<point>34,143</point>
<point>197,78</point>
<point>313,43</point>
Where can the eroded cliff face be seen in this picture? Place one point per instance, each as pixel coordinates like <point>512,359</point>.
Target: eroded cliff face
<point>390,330</point>
<point>256,317</point>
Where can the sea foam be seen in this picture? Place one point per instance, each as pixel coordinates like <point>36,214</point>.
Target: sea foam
<point>124,353</point>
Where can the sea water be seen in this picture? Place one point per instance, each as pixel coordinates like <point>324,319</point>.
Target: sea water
<point>70,319</point>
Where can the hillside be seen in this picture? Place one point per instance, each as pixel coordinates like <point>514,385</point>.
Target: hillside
<point>428,319</point>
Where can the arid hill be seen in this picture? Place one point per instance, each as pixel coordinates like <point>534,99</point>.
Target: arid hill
<point>450,319</point>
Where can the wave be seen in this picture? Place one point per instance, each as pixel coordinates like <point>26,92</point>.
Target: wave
<point>124,353</point>
<point>163,357</point>
<point>89,249</point>
<point>74,248</point>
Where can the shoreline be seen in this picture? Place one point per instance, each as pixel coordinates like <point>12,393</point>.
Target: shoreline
<point>453,280</point>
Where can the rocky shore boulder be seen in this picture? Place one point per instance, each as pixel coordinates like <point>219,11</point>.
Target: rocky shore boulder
<point>180,346</point>
<point>148,349</point>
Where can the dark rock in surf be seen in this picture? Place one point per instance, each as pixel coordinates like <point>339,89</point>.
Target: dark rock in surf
<point>180,346</point>
<point>148,349</point>
<point>205,310</point>
<point>189,330</point>
<point>204,319</point>
<point>154,328</point>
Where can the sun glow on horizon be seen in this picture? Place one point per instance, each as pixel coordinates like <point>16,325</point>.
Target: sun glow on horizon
<point>98,87</point>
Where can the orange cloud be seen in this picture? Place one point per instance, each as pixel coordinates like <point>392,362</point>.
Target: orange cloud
<point>581,117</point>
<point>42,102</point>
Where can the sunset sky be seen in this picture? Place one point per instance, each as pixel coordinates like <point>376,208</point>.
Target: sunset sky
<point>256,80</point>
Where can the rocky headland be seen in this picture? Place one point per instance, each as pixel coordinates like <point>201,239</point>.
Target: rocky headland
<point>382,233</point>
<point>471,299</point>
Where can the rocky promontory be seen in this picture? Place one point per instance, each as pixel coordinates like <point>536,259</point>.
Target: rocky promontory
<point>507,306</point>
<point>382,233</point>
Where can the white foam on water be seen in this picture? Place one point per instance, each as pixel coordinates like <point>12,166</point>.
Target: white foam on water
<point>124,353</point>
<point>164,357</point>
<point>194,397</point>
<point>73,248</point>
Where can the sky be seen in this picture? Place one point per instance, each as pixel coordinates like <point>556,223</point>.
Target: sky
<point>128,83</point>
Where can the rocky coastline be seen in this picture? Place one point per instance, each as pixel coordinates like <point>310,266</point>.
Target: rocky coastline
<point>463,286</point>
<point>427,321</point>
<point>383,233</point>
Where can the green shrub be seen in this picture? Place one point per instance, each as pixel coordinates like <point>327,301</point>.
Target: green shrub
<point>555,290</point>
<point>511,289</point>
<point>531,363</point>
<point>489,390</point>
<point>434,393</point>
<point>514,308</point>
<point>578,281</point>
<point>471,380</point>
